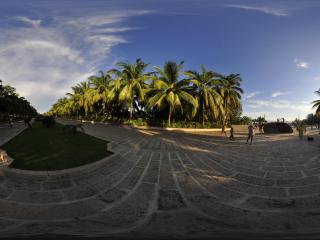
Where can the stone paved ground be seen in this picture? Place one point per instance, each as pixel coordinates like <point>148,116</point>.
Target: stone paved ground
<point>166,184</point>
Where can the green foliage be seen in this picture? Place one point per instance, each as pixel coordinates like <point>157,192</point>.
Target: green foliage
<point>168,96</point>
<point>11,103</point>
<point>48,121</point>
<point>74,128</point>
<point>244,120</point>
<point>260,120</point>
<point>299,125</point>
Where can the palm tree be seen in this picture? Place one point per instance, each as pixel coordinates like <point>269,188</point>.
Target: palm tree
<point>80,98</point>
<point>101,87</point>
<point>231,92</point>
<point>206,90</point>
<point>316,103</point>
<point>167,89</point>
<point>130,83</point>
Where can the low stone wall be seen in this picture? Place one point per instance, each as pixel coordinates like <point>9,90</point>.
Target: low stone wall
<point>240,128</point>
<point>178,129</point>
<point>157,128</point>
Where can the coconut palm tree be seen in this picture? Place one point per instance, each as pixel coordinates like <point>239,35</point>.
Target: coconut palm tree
<point>167,89</point>
<point>316,103</point>
<point>130,83</point>
<point>206,89</point>
<point>101,86</point>
<point>231,92</point>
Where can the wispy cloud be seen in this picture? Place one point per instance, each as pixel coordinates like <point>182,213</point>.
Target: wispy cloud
<point>277,108</point>
<point>32,22</point>
<point>277,104</point>
<point>301,64</point>
<point>51,54</point>
<point>263,9</point>
<point>277,94</point>
<point>251,95</point>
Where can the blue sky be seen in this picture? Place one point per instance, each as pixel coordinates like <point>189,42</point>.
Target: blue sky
<point>48,46</point>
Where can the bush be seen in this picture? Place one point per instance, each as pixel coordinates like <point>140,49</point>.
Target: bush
<point>48,121</point>
<point>74,128</point>
<point>38,118</point>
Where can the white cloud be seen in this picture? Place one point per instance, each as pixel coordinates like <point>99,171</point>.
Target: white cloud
<point>33,22</point>
<point>250,95</point>
<point>301,64</point>
<point>278,108</point>
<point>263,9</point>
<point>43,59</point>
<point>277,94</point>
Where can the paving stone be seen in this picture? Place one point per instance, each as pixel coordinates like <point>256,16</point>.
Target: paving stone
<point>254,180</point>
<point>50,212</point>
<point>156,156</point>
<point>132,210</point>
<point>270,186</point>
<point>111,195</point>
<point>22,184</point>
<point>311,172</point>
<point>184,158</point>
<point>56,185</point>
<point>131,180</point>
<point>36,197</point>
<point>165,158</point>
<point>284,175</point>
<point>173,155</point>
<point>177,165</point>
<point>187,184</point>
<point>143,162</point>
<point>152,173</point>
<point>107,181</point>
<point>166,180</point>
<point>304,190</point>
<point>79,192</point>
<point>170,199</point>
<point>248,171</point>
<point>298,182</point>
<point>5,192</point>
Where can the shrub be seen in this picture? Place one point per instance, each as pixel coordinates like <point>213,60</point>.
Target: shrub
<point>38,118</point>
<point>74,128</point>
<point>48,121</point>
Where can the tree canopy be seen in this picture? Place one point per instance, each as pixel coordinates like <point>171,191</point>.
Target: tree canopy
<point>12,104</point>
<point>167,93</point>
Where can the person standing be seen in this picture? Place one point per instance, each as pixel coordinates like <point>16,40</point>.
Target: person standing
<point>10,122</point>
<point>231,134</point>
<point>250,133</point>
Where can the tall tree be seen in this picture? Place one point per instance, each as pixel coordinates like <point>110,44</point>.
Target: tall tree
<point>206,89</point>
<point>131,82</point>
<point>316,103</point>
<point>166,88</point>
<point>231,92</point>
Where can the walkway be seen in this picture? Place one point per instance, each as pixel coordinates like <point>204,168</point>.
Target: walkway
<point>166,184</point>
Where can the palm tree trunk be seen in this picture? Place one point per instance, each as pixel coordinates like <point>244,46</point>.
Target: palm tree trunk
<point>131,110</point>
<point>202,110</point>
<point>169,117</point>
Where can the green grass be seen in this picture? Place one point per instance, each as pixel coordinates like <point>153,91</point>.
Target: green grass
<point>42,148</point>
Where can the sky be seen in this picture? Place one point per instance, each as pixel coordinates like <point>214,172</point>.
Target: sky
<point>48,46</point>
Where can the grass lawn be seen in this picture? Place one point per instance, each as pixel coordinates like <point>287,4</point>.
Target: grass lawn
<point>42,148</point>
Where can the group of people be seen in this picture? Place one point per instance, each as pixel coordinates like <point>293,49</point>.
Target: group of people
<point>251,130</point>
<point>26,122</point>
